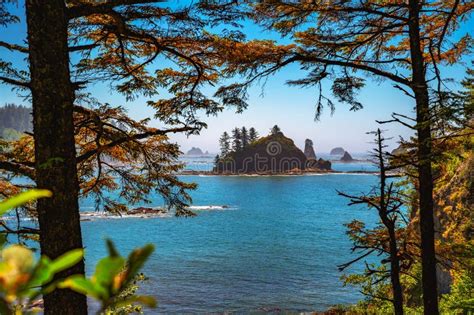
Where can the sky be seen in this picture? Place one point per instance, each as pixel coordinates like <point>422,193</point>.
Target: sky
<point>291,108</point>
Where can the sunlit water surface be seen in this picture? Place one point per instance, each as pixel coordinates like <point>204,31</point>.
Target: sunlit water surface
<point>276,246</point>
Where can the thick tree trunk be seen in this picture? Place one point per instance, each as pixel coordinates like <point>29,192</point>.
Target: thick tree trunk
<point>425,178</point>
<point>55,154</point>
<point>395,274</point>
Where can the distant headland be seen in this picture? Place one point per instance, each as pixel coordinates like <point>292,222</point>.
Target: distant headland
<point>195,151</point>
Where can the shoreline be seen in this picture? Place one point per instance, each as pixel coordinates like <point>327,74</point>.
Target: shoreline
<point>291,173</point>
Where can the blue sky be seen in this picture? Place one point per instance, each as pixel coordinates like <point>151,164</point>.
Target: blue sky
<point>291,108</point>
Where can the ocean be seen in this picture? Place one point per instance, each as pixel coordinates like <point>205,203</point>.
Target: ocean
<point>258,243</point>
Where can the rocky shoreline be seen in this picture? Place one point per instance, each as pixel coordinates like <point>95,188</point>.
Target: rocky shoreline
<point>288,173</point>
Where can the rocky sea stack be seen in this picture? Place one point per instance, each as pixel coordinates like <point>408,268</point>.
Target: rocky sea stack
<point>195,151</point>
<point>309,150</point>
<point>347,157</point>
<point>337,151</point>
<point>312,163</point>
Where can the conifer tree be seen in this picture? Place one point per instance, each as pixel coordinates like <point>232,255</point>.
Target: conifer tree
<point>404,42</point>
<point>275,130</point>
<point>75,137</point>
<point>385,239</point>
<point>236,140</point>
<point>253,135</point>
<point>245,137</point>
<point>224,143</point>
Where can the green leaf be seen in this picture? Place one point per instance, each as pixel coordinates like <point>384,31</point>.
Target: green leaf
<point>66,260</point>
<point>42,273</point>
<point>82,285</point>
<point>106,269</point>
<point>3,240</point>
<point>137,259</point>
<point>23,198</point>
<point>111,247</point>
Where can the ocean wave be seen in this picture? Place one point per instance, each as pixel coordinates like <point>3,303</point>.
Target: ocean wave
<point>212,207</point>
<point>99,215</point>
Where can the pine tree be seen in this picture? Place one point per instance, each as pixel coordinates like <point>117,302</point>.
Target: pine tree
<point>404,42</point>
<point>224,143</point>
<point>245,137</point>
<point>275,130</point>
<point>253,135</point>
<point>236,140</point>
<point>385,238</point>
<point>74,137</point>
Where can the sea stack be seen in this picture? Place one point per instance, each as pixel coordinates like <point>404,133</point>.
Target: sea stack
<point>346,157</point>
<point>309,150</point>
<point>195,151</point>
<point>337,151</point>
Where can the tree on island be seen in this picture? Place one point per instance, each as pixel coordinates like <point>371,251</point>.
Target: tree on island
<point>236,140</point>
<point>245,137</point>
<point>275,130</point>
<point>77,148</point>
<point>224,143</point>
<point>253,135</point>
<point>405,42</point>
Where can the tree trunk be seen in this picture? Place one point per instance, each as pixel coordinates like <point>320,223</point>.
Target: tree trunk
<point>425,178</point>
<point>390,225</point>
<point>55,154</point>
<point>395,273</point>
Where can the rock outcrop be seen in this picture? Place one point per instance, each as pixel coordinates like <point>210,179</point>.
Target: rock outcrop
<point>309,150</point>
<point>195,151</point>
<point>337,151</point>
<point>272,154</point>
<point>346,157</point>
<point>146,210</point>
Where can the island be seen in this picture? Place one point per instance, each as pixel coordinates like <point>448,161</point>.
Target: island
<point>271,154</point>
<point>195,151</point>
<point>346,157</point>
<point>337,151</point>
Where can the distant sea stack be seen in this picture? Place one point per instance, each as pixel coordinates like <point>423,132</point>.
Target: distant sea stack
<point>337,151</point>
<point>309,150</point>
<point>347,157</point>
<point>195,151</point>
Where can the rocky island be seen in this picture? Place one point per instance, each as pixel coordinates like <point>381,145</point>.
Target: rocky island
<point>272,154</point>
<point>346,157</point>
<point>337,151</point>
<point>195,151</point>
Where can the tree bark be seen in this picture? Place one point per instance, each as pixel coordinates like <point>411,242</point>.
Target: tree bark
<point>425,177</point>
<point>55,154</point>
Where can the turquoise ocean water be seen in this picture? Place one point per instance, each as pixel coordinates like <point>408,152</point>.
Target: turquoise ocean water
<point>275,246</point>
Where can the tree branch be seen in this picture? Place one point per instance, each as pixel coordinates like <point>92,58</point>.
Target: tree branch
<point>9,46</point>
<point>89,9</point>
<point>18,168</point>
<point>155,132</point>
<point>341,63</point>
<point>15,82</point>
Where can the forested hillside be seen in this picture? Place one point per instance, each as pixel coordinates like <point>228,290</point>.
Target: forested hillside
<point>14,119</point>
